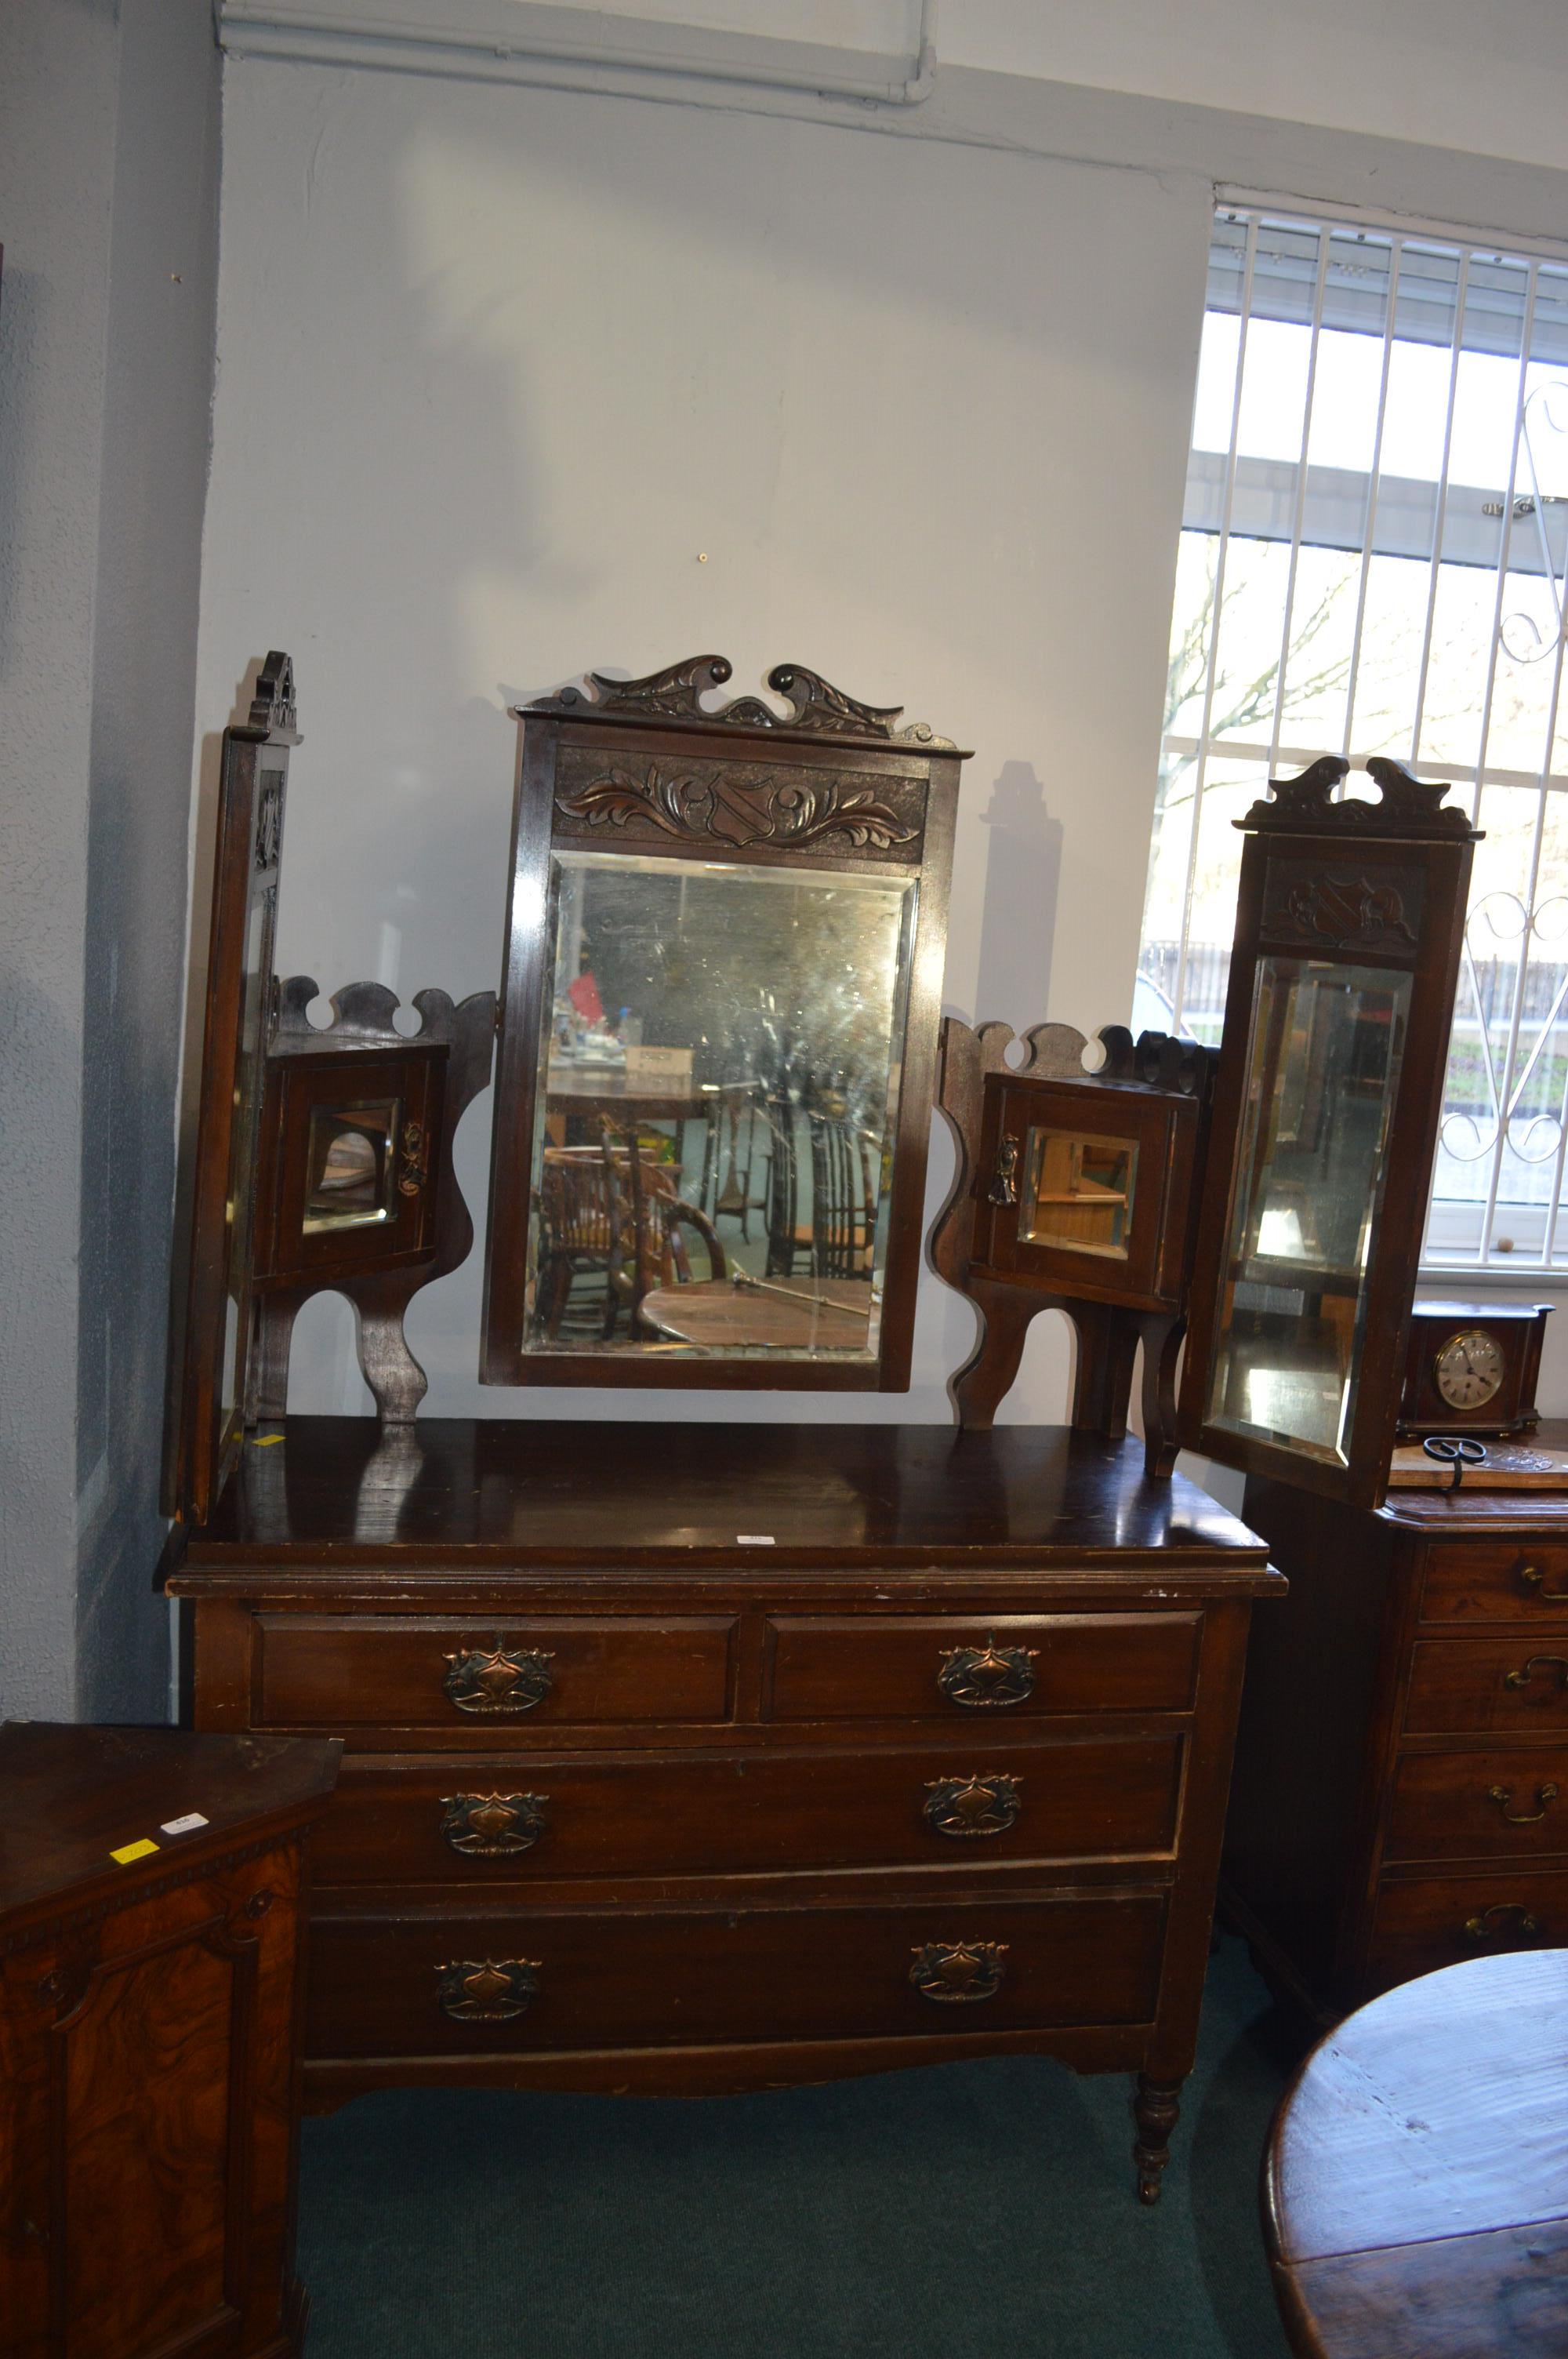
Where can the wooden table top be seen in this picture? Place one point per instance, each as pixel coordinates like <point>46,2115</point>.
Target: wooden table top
<point>825,1314</point>
<point>74,1796</point>
<point>1416,2185</point>
<point>654,1494</point>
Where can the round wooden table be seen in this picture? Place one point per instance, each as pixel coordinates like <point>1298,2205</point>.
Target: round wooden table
<point>799,1314</point>
<point>1415,2190</point>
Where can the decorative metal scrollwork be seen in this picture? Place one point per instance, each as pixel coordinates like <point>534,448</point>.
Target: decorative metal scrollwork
<point>971,1806</point>
<point>491,1826</point>
<point>1491,1924</point>
<point>985,1678</point>
<point>1003,1189</point>
<point>1503,1795</point>
<point>486,1990</point>
<point>958,1974</point>
<point>416,1159</point>
<point>503,1679</point>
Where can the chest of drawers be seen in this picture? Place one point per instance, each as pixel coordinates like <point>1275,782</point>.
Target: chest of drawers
<point>682,1759</point>
<point>1401,1786</point>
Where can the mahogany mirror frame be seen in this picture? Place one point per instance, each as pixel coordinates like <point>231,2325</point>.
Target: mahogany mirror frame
<point>801,796</point>
<point>252,796</point>
<point>1333,881</point>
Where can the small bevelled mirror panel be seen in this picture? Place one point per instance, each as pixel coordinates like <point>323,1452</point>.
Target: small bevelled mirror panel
<point>349,1165</point>
<point>716,1109</point>
<point>1324,1048</point>
<point>1077,1192</point>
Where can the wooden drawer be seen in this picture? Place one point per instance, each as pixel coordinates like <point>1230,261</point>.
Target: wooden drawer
<point>955,1802</point>
<point>606,1980</point>
<point>1479,1806</point>
<point>1495,1580</point>
<point>1481,1684</point>
<point>346,1672</point>
<point>1014,1666</point>
<point>1434,1922</point>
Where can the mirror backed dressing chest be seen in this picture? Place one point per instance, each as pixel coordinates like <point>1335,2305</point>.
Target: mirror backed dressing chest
<point>684,1755</point>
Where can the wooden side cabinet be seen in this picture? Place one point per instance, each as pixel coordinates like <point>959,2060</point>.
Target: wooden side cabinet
<point>1401,1796</point>
<point>149,2013</point>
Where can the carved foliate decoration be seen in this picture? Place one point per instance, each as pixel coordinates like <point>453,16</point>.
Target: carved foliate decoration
<point>502,1680</point>
<point>738,804</point>
<point>962,1807</point>
<point>958,1973</point>
<point>272,706</point>
<point>816,707</point>
<point>269,820</point>
<point>486,1990</point>
<point>1406,805</point>
<point>984,1679</point>
<point>1342,907</point>
<point>493,1826</point>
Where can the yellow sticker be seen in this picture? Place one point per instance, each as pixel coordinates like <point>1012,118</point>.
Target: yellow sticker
<point>265,1440</point>
<point>128,1851</point>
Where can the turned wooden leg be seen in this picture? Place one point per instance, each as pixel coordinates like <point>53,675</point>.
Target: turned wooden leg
<point>1155,2106</point>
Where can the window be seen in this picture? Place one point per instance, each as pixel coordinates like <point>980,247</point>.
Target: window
<point>1374,560</point>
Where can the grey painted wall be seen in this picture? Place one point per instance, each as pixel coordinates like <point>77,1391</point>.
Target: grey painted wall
<point>108,194</point>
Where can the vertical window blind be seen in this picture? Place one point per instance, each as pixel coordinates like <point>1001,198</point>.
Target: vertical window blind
<point>1374,560</point>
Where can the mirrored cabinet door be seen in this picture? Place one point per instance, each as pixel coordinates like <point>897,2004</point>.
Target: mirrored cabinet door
<point>1342,983</point>
<point>715,1065</point>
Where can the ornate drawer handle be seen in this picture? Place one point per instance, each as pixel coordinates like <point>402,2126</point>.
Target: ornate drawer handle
<point>486,1990</point>
<point>1522,1677</point>
<point>1482,1928</point>
<point>509,1679</point>
<point>971,1806</point>
<point>1003,1189</point>
<point>489,1826</point>
<point>1530,1576</point>
<point>416,1159</point>
<point>982,1678</point>
<point>1503,1795</point>
<point>958,1974</point>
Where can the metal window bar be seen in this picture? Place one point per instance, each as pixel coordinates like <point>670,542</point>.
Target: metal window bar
<point>1458,296</point>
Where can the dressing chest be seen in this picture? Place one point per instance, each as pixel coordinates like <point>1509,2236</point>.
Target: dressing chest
<point>683,1759</point>
<point>1402,1782</point>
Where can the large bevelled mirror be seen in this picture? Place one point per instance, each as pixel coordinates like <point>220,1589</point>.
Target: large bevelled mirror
<point>716,1063</point>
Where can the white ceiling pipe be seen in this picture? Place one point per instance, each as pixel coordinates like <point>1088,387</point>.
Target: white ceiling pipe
<point>551,38</point>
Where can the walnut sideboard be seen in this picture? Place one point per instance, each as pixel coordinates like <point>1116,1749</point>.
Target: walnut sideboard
<point>684,1759</point>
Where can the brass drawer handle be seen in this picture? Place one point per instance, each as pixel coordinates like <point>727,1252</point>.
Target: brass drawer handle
<point>416,1159</point>
<point>1522,1677</point>
<point>984,1677</point>
<point>1531,1577</point>
<point>958,1974</point>
<point>489,1826</point>
<point>1003,1189</point>
<point>486,1990</point>
<point>1483,1928</point>
<point>971,1806</point>
<point>508,1679</point>
<point>1503,1795</point>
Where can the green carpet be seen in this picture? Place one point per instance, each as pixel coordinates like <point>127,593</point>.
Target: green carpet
<point>969,2211</point>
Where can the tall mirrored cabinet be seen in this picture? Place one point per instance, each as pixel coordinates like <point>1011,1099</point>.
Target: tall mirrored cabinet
<point>718,1039</point>
<point>1348,934</point>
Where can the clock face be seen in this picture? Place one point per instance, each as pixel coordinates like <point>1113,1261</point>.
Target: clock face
<point>1469,1368</point>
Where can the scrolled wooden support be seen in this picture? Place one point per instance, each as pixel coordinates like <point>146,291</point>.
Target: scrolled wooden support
<point>363,1020</point>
